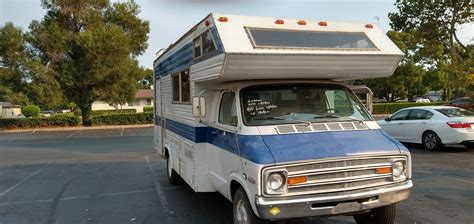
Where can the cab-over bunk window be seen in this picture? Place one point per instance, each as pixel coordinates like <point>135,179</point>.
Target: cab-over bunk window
<point>181,87</point>
<point>203,45</point>
<point>299,39</point>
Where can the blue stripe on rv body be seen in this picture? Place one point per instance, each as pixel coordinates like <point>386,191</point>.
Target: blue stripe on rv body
<point>269,149</point>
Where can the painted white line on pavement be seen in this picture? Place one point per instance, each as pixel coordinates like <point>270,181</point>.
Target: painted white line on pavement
<point>9,140</point>
<point>72,134</point>
<point>159,188</point>
<point>460,180</point>
<point>121,133</point>
<point>18,184</point>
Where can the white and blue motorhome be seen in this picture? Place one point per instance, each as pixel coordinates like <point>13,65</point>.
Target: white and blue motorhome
<point>255,108</point>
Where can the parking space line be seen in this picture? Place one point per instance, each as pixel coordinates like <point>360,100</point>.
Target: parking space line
<point>80,197</point>
<point>72,134</point>
<point>18,184</point>
<point>121,133</point>
<point>159,188</point>
<point>30,133</point>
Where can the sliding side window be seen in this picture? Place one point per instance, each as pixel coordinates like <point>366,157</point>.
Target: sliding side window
<point>203,44</point>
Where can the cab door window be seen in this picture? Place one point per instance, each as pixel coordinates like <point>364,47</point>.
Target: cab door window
<point>228,109</point>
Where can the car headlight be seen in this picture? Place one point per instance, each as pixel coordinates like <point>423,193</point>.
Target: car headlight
<point>276,182</point>
<point>399,171</point>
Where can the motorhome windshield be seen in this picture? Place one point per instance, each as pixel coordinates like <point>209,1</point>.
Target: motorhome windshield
<point>297,103</point>
<point>277,38</point>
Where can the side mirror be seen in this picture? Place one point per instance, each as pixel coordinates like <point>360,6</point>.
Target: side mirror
<point>199,107</point>
<point>387,119</point>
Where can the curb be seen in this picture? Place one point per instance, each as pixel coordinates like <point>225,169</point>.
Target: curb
<point>78,128</point>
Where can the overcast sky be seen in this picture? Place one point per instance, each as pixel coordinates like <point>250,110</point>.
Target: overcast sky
<point>170,19</point>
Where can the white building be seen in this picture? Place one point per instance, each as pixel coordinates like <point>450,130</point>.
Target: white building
<point>8,110</point>
<point>143,98</point>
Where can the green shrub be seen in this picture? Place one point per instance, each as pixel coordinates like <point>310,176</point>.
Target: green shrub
<point>39,122</point>
<point>148,109</point>
<point>390,108</point>
<point>123,111</point>
<point>123,119</point>
<point>30,111</point>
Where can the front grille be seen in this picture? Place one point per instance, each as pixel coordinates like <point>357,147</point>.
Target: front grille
<point>339,175</point>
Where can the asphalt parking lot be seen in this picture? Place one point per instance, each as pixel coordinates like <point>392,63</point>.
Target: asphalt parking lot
<point>114,176</point>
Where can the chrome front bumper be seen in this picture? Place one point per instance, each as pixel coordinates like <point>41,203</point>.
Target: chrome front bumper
<point>332,204</point>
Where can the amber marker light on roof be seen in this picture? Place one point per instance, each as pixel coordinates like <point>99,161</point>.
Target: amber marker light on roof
<point>370,26</point>
<point>297,180</point>
<point>322,23</point>
<point>206,23</point>
<point>301,22</point>
<point>223,19</point>
<point>384,170</point>
<point>279,21</point>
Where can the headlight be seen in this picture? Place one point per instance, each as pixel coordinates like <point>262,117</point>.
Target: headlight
<point>276,182</point>
<point>399,170</point>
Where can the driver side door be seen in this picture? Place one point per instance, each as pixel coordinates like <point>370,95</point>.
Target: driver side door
<point>395,127</point>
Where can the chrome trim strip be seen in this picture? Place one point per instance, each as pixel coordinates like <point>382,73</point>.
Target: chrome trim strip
<point>341,180</point>
<point>339,169</point>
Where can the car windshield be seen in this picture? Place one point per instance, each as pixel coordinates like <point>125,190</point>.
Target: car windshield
<point>455,112</point>
<point>299,103</point>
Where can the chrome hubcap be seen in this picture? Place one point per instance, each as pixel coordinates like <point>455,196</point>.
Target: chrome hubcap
<point>241,213</point>
<point>431,141</point>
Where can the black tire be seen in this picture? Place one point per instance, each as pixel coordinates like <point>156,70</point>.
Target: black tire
<point>382,215</point>
<point>469,145</point>
<point>242,210</point>
<point>173,177</point>
<point>431,141</point>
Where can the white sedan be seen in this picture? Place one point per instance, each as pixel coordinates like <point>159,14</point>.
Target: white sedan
<point>432,126</point>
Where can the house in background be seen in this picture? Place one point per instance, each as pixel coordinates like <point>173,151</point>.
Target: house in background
<point>143,97</point>
<point>9,110</point>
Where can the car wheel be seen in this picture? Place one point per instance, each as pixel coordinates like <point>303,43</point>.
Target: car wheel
<point>382,215</point>
<point>173,177</point>
<point>431,141</point>
<point>243,213</point>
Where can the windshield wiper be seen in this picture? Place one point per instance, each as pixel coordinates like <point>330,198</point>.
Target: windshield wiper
<point>338,117</point>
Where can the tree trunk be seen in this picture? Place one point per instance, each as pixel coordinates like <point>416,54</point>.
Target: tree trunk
<point>86,112</point>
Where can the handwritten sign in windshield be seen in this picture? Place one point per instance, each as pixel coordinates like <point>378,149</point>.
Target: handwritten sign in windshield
<point>259,107</point>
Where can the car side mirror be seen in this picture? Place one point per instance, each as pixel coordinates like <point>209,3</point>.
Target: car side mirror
<point>199,107</point>
<point>387,119</point>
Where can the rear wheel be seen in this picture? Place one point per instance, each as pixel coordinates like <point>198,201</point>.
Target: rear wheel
<point>243,213</point>
<point>431,141</point>
<point>173,177</point>
<point>382,215</point>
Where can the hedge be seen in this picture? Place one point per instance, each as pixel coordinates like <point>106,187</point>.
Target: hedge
<point>30,110</point>
<point>54,121</point>
<point>148,109</point>
<point>123,111</point>
<point>123,119</point>
<point>390,108</point>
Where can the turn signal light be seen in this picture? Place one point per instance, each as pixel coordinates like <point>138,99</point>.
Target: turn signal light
<point>301,22</point>
<point>459,124</point>
<point>384,170</point>
<point>297,180</point>
<point>279,21</point>
<point>322,23</point>
<point>223,19</point>
<point>370,26</point>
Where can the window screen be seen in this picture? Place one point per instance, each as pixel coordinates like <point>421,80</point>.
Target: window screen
<point>272,38</point>
<point>181,87</point>
<point>185,92</point>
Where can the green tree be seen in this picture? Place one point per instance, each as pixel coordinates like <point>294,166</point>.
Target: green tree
<point>30,110</point>
<point>434,24</point>
<point>88,46</point>
<point>147,78</point>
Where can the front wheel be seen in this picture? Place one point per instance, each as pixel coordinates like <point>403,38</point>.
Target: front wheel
<point>243,213</point>
<point>431,141</point>
<point>382,215</point>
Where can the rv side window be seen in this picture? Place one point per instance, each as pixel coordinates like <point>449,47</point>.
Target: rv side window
<point>181,87</point>
<point>203,44</point>
<point>228,110</point>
